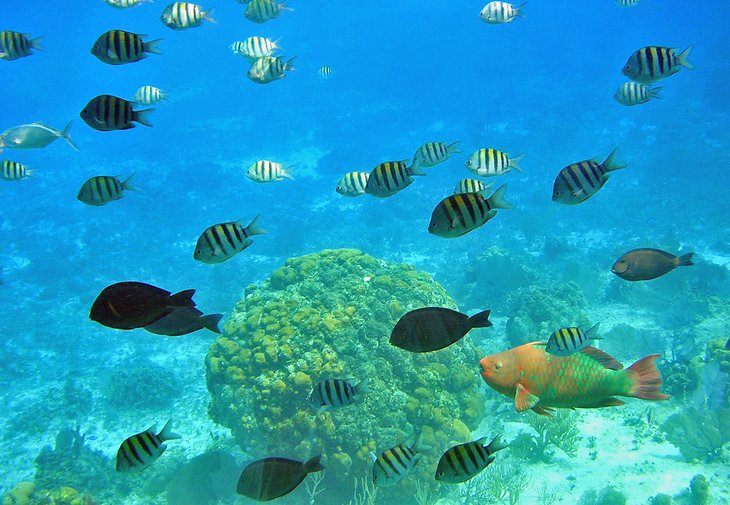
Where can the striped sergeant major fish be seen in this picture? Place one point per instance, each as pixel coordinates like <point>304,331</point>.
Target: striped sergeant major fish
<point>103,189</point>
<point>14,171</point>
<point>325,72</point>
<point>472,186</point>
<point>627,3</point>
<point>457,215</point>
<point>394,464</point>
<point>149,95</point>
<point>496,13</point>
<point>221,242</point>
<point>125,4</point>
<point>270,68</point>
<point>633,93</point>
<point>333,393</point>
<point>390,177</point>
<point>652,63</point>
<point>141,450</point>
<point>488,162</point>
<point>433,153</point>
<point>183,15</point>
<point>255,47</point>
<point>566,341</point>
<point>14,45</point>
<point>353,183</point>
<point>108,113</point>
<point>577,182</point>
<point>261,11</point>
<point>462,462</point>
<point>268,171</point>
<point>117,47</point>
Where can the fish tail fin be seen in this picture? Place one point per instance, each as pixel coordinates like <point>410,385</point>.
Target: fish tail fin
<point>275,45</point>
<point>167,433</point>
<point>253,227</point>
<point>453,147</point>
<point>514,162</point>
<point>127,183</point>
<point>208,16</point>
<point>152,46</point>
<point>29,172</point>
<point>496,445</point>
<point>519,11</point>
<point>611,164</point>
<point>415,168</point>
<point>284,7</point>
<point>591,333</point>
<point>480,320</point>
<point>36,44</point>
<point>289,65</point>
<point>142,116</point>
<point>685,260</point>
<point>646,380</point>
<point>285,172</point>
<point>362,387</point>
<point>211,322</point>
<point>654,92</point>
<point>682,58</point>
<point>313,464</point>
<point>65,135</point>
<point>497,201</point>
<point>419,446</point>
<point>183,299</point>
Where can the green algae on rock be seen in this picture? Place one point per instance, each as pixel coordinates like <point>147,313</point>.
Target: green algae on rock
<point>329,315</point>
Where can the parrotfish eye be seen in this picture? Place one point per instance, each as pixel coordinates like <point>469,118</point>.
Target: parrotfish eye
<point>498,365</point>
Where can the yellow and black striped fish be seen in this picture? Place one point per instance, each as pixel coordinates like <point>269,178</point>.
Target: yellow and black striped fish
<point>270,68</point>
<point>103,189</point>
<point>393,464</point>
<point>577,182</point>
<point>117,47</point>
<point>353,183</point>
<point>457,215</point>
<point>14,171</point>
<point>333,393</point>
<point>268,171</point>
<point>149,95</point>
<point>462,462</point>
<point>14,45</point>
<point>433,153</point>
<point>183,15</point>
<point>652,63</point>
<point>221,242</point>
<point>567,341</point>
<point>261,11</point>
<point>472,186</point>
<point>255,47</point>
<point>488,162</point>
<point>108,112</point>
<point>390,177</point>
<point>141,450</point>
<point>634,93</point>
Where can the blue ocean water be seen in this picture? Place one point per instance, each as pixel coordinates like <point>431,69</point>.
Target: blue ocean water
<point>406,73</point>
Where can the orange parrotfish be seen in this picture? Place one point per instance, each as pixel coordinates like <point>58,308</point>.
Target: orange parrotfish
<point>588,379</point>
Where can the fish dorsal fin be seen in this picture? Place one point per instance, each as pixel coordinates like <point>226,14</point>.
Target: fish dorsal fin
<point>603,358</point>
<point>524,400</point>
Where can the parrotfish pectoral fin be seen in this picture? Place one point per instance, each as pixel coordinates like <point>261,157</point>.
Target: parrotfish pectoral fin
<point>603,358</point>
<point>524,400</point>
<point>543,411</point>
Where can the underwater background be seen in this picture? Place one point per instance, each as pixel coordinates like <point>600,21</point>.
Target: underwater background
<point>318,295</point>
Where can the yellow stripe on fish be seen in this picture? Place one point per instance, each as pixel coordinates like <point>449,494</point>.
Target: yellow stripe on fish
<point>458,214</point>
<point>353,183</point>
<point>103,189</point>
<point>14,45</point>
<point>652,63</point>
<point>260,11</point>
<point>117,47</point>
<point>433,153</point>
<point>183,15</point>
<point>577,182</point>
<point>14,171</point>
<point>221,242</point>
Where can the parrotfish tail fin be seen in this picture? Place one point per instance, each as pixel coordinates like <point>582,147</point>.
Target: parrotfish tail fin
<point>415,168</point>
<point>480,320</point>
<point>253,227</point>
<point>211,321</point>
<point>127,184</point>
<point>515,162</point>
<point>362,387</point>
<point>646,380</point>
<point>313,465</point>
<point>685,260</point>
<point>65,135</point>
<point>543,411</point>
<point>183,299</point>
<point>289,65</point>
<point>496,445</point>
<point>682,59</point>
<point>142,116</point>
<point>167,433</point>
<point>497,201</point>
<point>654,92</point>
<point>152,46</point>
<point>208,16</point>
<point>611,164</point>
<point>519,11</point>
<point>592,332</point>
<point>524,400</point>
<point>36,44</point>
<point>453,147</point>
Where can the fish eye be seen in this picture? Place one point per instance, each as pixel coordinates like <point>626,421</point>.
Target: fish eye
<point>498,365</point>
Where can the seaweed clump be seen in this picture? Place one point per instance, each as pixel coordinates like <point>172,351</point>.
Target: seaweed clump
<point>329,315</point>
<point>557,432</point>
<point>699,434</point>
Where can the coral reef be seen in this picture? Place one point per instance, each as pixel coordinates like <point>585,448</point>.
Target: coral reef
<point>606,496</point>
<point>329,315</point>
<point>20,494</point>
<point>699,434</point>
<point>560,431</point>
<point>538,311</point>
<point>129,386</point>
<point>26,493</point>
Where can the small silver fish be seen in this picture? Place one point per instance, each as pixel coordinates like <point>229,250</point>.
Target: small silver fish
<point>353,183</point>
<point>496,13</point>
<point>268,171</point>
<point>34,136</point>
<point>184,15</point>
<point>149,95</point>
<point>633,93</point>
